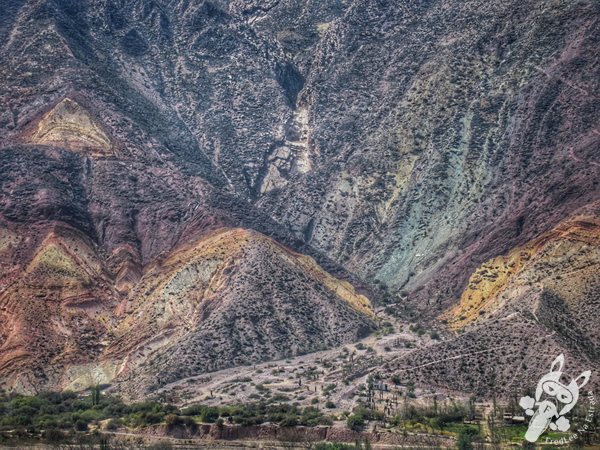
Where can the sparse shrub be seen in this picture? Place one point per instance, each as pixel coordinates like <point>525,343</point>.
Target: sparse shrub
<point>289,421</point>
<point>81,425</point>
<point>355,422</point>
<point>465,439</point>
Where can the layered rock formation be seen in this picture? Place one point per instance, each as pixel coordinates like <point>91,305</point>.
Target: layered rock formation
<point>57,304</point>
<point>235,297</point>
<point>70,126</point>
<point>444,153</point>
<point>538,300</point>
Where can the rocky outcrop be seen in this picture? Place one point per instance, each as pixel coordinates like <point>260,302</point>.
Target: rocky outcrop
<point>520,309</point>
<point>70,126</point>
<point>233,298</point>
<point>422,151</point>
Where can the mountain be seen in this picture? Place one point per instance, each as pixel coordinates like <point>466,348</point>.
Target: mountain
<point>232,297</point>
<point>190,185</point>
<point>538,300</point>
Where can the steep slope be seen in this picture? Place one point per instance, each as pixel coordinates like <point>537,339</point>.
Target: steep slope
<point>402,145</point>
<point>398,139</point>
<point>56,304</point>
<point>538,300</point>
<point>573,245</point>
<point>233,298</point>
<point>443,134</point>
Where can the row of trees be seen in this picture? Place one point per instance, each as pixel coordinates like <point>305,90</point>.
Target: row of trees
<point>55,416</point>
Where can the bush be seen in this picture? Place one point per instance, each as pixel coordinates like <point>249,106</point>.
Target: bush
<point>465,439</point>
<point>210,415</point>
<point>355,422</point>
<point>53,435</point>
<point>173,420</point>
<point>152,418</point>
<point>193,410</point>
<point>91,415</point>
<point>114,424</point>
<point>329,404</point>
<point>289,421</point>
<point>81,425</point>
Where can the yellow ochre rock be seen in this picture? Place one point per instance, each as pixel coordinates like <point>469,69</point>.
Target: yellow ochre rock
<point>69,124</point>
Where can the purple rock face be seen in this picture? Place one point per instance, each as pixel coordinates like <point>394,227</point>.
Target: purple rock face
<point>402,146</point>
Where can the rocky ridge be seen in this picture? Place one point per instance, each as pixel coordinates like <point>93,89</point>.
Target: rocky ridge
<point>432,153</point>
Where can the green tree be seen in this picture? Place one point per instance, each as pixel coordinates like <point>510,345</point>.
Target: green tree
<point>95,394</point>
<point>355,422</point>
<point>465,439</point>
<point>81,425</point>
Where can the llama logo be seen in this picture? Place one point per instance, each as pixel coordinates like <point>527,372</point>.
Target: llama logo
<point>552,401</point>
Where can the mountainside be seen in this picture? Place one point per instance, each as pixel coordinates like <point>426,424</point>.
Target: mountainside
<point>443,134</point>
<point>234,297</point>
<point>540,299</point>
<point>191,185</point>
